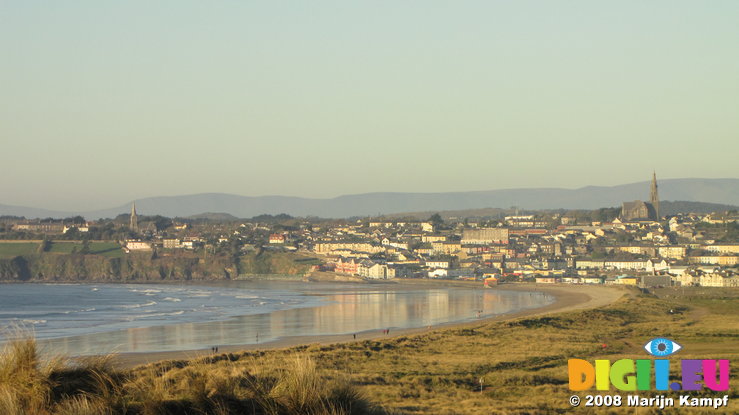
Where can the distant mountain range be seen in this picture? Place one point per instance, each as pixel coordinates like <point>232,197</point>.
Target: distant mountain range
<point>717,191</point>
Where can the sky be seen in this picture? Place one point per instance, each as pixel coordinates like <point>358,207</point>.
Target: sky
<point>103,102</point>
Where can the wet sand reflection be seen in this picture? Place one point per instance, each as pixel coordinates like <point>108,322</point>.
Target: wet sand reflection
<point>345,312</point>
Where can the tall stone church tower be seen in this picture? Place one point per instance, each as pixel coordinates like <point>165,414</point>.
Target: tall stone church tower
<point>640,210</point>
<point>654,196</point>
<point>134,221</point>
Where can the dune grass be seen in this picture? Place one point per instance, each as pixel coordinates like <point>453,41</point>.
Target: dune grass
<point>30,385</point>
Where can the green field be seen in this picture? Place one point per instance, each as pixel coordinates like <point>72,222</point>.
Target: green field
<point>13,249</point>
<point>109,249</point>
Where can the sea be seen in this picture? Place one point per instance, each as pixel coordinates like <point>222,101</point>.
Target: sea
<point>86,319</point>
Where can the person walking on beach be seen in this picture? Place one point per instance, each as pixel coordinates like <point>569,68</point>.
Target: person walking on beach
<point>355,336</point>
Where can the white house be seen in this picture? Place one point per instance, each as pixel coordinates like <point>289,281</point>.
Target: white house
<point>654,265</point>
<point>133,245</point>
<point>437,264</point>
<point>438,273</point>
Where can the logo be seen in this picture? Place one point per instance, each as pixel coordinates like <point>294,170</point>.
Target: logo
<point>661,347</point>
<point>650,374</point>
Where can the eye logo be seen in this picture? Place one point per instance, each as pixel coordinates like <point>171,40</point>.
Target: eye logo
<point>661,347</point>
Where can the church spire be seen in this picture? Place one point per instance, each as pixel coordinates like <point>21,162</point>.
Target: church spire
<point>133,223</point>
<point>654,196</point>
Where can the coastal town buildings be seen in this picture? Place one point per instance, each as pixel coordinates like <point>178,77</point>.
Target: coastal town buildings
<point>630,246</point>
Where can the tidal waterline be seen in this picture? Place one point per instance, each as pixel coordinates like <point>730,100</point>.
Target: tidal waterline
<point>83,319</point>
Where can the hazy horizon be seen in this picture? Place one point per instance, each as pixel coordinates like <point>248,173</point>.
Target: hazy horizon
<point>724,191</point>
<point>104,103</point>
<point>126,202</point>
<point>81,208</point>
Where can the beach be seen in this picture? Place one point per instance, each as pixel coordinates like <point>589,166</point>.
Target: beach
<point>566,298</point>
<point>513,363</point>
<point>120,318</point>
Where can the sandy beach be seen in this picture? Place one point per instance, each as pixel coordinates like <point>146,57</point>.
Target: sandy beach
<point>567,298</point>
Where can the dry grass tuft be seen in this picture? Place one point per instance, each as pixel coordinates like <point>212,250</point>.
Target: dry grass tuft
<point>81,405</point>
<point>90,386</point>
<point>25,385</point>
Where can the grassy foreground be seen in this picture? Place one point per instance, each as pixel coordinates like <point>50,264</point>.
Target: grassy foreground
<point>522,364</point>
<point>91,387</point>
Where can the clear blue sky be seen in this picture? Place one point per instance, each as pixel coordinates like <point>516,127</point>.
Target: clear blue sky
<point>102,102</point>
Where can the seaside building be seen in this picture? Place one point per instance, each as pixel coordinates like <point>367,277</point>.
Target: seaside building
<point>277,238</point>
<point>171,243</point>
<point>136,245</point>
<point>46,227</point>
<point>484,236</point>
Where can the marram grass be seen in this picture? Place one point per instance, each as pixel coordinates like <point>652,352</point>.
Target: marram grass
<point>90,386</point>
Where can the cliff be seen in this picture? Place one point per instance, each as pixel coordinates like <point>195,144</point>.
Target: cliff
<point>131,268</point>
<point>138,267</point>
<point>284,263</point>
